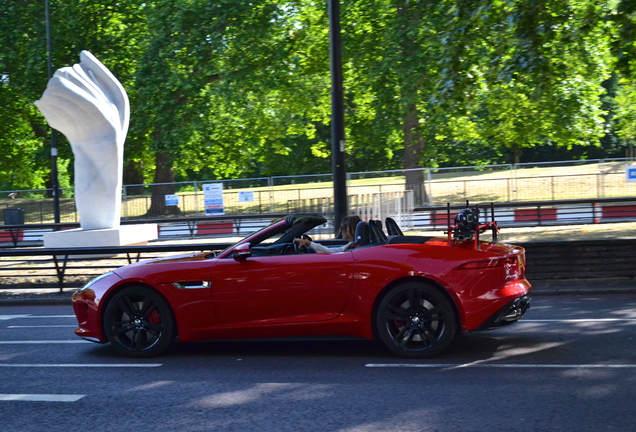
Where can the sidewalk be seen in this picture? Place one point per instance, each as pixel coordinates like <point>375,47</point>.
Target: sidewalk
<point>590,287</point>
<point>36,296</point>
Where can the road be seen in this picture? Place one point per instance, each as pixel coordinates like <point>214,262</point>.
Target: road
<point>570,365</point>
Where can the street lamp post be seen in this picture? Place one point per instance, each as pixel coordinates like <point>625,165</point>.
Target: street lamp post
<point>54,180</point>
<point>337,116</point>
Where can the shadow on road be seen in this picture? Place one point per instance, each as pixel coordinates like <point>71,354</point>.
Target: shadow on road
<point>470,347</point>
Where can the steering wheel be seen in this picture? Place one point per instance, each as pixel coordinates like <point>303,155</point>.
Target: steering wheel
<point>300,249</point>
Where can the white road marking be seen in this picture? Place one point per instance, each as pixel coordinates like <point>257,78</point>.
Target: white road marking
<point>82,365</point>
<point>501,366</point>
<point>43,326</point>
<point>40,342</point>
<point>41,397</point>
<point>580,320</point>
<point>8,317</point>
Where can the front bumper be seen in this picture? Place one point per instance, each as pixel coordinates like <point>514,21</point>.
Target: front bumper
<point>86,305</point>
<point>85,310</point>
<point>510,313</point>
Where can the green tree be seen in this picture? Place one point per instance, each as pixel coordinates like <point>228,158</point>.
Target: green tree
<point>542,67</point>
<point>626,115</point>
<point>229,89</point>
<point>216,89</point>
<point>109,29</point>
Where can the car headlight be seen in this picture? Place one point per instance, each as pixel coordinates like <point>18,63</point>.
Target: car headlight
<point>94,281</point>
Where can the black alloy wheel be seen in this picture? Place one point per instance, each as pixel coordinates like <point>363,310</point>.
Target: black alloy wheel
<point>139,322</point>
<point>415,320</point>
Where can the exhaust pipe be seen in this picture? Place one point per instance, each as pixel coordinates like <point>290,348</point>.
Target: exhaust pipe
<point>516,311</point>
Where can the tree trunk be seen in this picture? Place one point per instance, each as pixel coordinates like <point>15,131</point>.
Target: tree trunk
<point>629,150</point>
<point>413,147</point>
<point>133,175</point>
<point>516,155</point>
<point>164,179</point>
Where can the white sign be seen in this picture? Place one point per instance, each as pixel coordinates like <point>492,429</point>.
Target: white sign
<point>172,200</point>
<point>246,196</point>
<point>630,174</point>
<point>213,197</point>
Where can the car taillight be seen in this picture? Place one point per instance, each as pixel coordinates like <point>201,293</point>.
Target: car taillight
<point>489,263</point>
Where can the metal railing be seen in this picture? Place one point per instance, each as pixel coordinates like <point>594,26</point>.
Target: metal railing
<point>377,206</point>
<point>592,179</point>
<point>535,213</point>
<point>67,267</point>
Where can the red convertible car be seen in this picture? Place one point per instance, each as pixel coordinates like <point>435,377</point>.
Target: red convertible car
<point>413,293</point>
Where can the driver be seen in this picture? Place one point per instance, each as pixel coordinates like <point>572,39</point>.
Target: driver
<point>347,232</point>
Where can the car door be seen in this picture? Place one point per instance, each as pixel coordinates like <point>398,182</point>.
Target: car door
<point>281,288</point>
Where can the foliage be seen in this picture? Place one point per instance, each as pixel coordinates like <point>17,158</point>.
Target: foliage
<point>626,111</point>
<point>241,89</point>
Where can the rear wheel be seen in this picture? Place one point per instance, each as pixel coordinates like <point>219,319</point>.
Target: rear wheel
<point>139,323</point>
<point>415,320</point>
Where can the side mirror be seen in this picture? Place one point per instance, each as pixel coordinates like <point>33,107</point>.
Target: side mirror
<point>242,251</point>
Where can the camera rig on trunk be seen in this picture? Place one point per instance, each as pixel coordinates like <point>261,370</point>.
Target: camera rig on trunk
<point>467,225</point>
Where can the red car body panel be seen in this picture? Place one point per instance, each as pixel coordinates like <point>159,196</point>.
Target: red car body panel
<point>311,294</point>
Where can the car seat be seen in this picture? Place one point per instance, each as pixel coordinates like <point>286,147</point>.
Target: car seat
<point>392,227</point>
<point>376,228</point>
<point>362,235</point>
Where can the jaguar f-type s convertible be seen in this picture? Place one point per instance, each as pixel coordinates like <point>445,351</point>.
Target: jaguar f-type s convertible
<point>412,293</point>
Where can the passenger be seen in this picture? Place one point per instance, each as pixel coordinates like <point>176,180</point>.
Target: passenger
<point>347,232</point>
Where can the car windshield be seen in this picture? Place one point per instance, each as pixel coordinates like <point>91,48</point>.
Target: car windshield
<point>283,230</point>
<point>255,234</point>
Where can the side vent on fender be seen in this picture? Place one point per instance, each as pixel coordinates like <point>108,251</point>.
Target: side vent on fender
<point>192,284</point>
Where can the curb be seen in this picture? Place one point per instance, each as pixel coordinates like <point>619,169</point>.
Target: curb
<point>601,286</point>
<point>35,301</point>
<point>581,292</point>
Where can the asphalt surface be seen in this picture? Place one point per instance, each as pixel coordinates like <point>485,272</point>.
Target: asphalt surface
<point>568,365</point>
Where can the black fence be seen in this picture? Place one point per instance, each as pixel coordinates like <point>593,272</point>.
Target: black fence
<point>24,264</point>
<point>536,213</point>
<point>72,267</point>
<point>429,218</point>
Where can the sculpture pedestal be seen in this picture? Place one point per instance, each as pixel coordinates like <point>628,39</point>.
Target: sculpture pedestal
<point>121,236</point>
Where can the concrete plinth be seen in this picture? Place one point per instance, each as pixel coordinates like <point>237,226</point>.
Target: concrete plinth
<point>121,236</point>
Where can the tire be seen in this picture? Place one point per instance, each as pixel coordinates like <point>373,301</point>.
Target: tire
<point>416,320</point>
<point>138,322</point>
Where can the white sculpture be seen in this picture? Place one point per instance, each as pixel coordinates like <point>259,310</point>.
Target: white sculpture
<point>90,107</point>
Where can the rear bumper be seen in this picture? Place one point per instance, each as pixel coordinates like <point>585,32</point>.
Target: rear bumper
<point>510,313</point>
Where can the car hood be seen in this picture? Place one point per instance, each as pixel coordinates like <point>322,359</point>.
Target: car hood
<point>166,264</point>
<point>178,259</point>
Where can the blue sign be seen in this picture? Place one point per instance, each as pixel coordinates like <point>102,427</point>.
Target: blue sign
<point>630,174</point>
<point>213,198</point>
<point>246,196</point>
<point>172,200</point>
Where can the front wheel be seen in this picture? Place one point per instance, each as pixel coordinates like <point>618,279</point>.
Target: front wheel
<point>139,323</point>
<point>415,320</point>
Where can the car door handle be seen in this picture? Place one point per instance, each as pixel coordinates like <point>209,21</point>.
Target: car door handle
<point>331,272</point>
